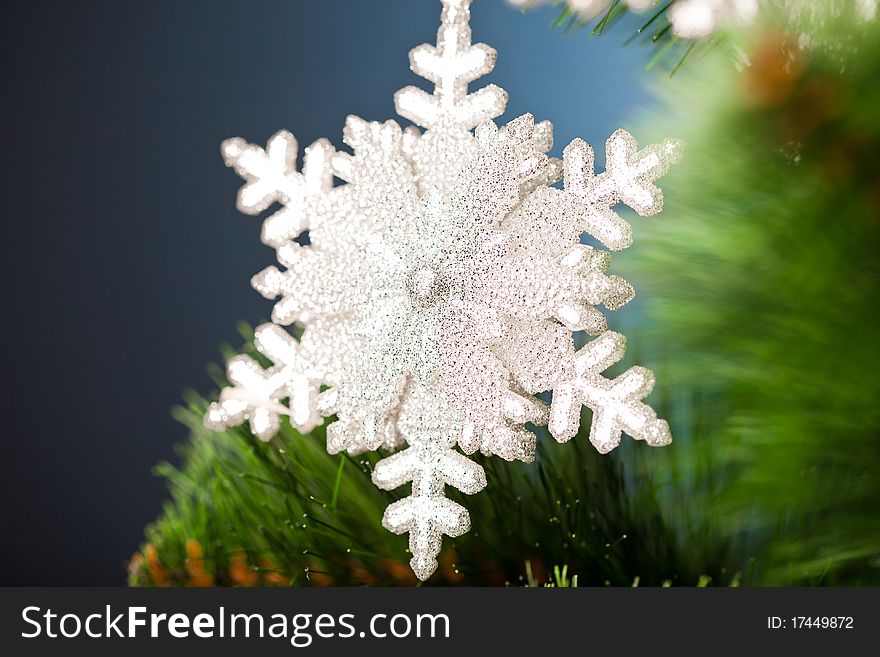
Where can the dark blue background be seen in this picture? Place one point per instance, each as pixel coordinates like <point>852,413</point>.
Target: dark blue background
<point>124,261</point>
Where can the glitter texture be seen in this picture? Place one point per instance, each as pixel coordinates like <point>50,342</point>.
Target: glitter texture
<point>440,287</point>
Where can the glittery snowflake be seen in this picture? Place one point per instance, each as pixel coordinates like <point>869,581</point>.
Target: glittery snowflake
<point>440,287</point>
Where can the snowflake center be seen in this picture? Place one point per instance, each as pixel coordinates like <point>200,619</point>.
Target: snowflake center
<point>425,286</point>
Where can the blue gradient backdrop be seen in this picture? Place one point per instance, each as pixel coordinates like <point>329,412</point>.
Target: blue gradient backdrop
<point>124,261</point>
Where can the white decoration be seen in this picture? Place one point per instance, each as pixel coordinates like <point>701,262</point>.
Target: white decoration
<point>700,19</point>
<point>588,9</point>
<point>440,287</point>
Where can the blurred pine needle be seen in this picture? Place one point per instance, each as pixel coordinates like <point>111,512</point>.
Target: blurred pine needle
<point>762,288</point>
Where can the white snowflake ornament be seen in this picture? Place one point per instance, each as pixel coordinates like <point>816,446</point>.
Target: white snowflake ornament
<point>440,287</point>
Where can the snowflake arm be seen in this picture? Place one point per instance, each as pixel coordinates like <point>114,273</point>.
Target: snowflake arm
<point>426,514</point>
<point>616,404</point>
<point>271,177</point>
<point>300,379</point>
<point>430,463</point>
<point>451,65</point>
<point>305,288</point>
<point>256,393</point>
<point>450,112</point>
<point>628,178</point>
<point>253,397</point>
<point>378,168</point>
<point>567,290</point>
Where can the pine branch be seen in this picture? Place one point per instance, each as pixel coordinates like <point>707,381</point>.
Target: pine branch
<point>243,512</point>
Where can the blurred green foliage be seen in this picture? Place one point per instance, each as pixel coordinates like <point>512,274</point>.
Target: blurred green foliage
<point>762,285</point>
